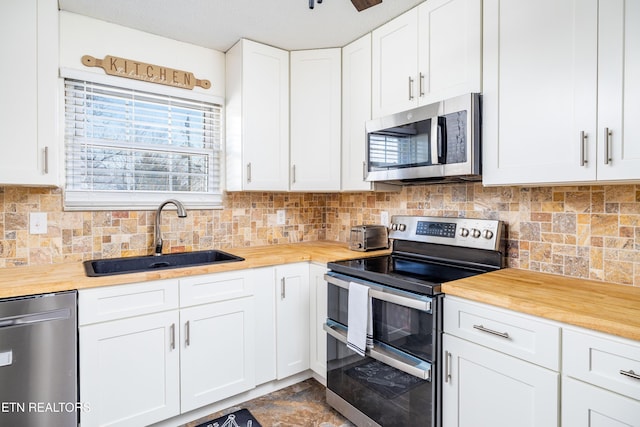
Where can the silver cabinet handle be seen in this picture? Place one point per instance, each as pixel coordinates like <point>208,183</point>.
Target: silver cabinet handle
<point>389,356</point>
<point>283,288</point>
<point>421,85</point>
<point>46,160</point>
<point>293,174</point>
<point>607,146</point>
<point>172,343</point>
<point>447,366</point>
<point>583,141</point>
<point>364,171</point>
<point>187,334</point>
<point>410,88</point>
<point>491,331</point>
<point>630,374</point>
<point>249,172</point>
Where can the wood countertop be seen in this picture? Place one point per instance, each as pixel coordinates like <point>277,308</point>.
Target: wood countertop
<point>604,307</point>
<point>20,281</point>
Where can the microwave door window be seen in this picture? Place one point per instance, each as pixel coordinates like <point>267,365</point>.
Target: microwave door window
<point>400,147</point>
<point>452,137</point>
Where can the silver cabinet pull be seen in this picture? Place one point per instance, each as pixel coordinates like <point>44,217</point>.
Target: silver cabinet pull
<point>491,331</point>
<point>187,334</point>
<point>249,172</point>
<point>364,171</point>
<point>583,141</point>
<point>293,174</point>
<point>421,85</point>
<point>46,160</point>
<point>447,366</point>
<point>410,88</point>
<point>607,146</point>
<point>630,374</point>
<point>172,343</point>
<point>283,288</point>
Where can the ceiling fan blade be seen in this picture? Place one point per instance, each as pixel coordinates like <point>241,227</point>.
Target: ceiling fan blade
<point>365,4</point>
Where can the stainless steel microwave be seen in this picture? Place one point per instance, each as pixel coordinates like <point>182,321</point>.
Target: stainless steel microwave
<point>439,142</point>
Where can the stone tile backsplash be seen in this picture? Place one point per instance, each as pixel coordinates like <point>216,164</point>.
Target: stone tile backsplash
<point>579,231</point>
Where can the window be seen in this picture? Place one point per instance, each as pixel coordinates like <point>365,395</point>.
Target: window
<point>125,148</point>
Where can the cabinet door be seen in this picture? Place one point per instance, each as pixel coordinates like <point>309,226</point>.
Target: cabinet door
<point>482,387</point>
<point>587,405</point>
<point>257,114</point>
<point>129,370</point>
<point>356,110</point>
<point>28,83</point>
<point>264,280</point>
<point>317,318</point>
<point>618,89</point>
<point>292,319</point>
<point>450,43</point>
<point>394,69</point>
<point>217,353</point>
<point>315,120</point>
<point>539,91</point>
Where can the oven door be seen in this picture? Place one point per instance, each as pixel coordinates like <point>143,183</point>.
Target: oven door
<point>395,383</point>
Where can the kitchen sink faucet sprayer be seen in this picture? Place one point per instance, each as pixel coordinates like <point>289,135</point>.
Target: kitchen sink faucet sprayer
<point>158,235</point>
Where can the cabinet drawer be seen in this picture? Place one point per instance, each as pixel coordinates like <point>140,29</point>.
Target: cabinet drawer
<point>215,287</point>
<point>518,335</point>
<point>117,302</point>
<point>606,361</point>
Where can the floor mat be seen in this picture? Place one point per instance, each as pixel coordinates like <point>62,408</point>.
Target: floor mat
<point>241,418</point>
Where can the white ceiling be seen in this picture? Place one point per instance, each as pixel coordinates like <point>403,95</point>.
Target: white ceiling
<point>218,24</point>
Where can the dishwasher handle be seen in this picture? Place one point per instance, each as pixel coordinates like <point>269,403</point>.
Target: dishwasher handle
<point>32,318</point>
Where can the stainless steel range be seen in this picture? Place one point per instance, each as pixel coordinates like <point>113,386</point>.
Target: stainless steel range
<point>385,370</point>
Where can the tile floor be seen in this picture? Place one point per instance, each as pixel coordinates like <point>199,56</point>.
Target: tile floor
<point>300,405</point>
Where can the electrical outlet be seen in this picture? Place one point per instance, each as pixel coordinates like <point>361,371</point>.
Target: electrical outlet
<point>384,218</point>
<point>38,223</point>
<point>280,217</point>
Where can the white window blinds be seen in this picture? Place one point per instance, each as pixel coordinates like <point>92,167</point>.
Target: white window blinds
<point>126,148</point>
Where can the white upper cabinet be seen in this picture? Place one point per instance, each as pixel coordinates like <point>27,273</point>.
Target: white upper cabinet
<point>356,110</point>
<point>618,89</point>
<point>428,54</point>
<point>257,117</point>
<point>29,86</point>
<point>550,95</point>
<point>315,119</point>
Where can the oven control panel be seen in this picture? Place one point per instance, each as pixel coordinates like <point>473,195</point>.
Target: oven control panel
<point>468,232</point>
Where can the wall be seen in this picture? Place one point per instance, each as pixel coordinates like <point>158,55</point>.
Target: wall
<point>580,231</point>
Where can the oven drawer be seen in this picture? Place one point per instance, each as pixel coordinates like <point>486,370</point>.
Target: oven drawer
<point>606,361</point>
<point>518,335</point>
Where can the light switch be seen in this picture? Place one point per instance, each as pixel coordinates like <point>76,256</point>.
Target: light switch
<point>38,222</point>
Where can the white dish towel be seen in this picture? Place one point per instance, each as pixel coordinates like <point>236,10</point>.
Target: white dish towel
<point>360,331</point>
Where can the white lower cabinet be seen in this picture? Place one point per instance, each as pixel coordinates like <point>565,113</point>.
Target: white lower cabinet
<point>317,318</point>
<point>499,368</point>
<point>145,357</point>
<point>483,387</point>
<point>292,319</point>
<point>586,405</point>
<point>601,380</point>
<point>216,352</point>
<point>130,370</point>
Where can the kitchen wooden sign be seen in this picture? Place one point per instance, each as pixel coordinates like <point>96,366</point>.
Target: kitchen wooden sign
<point>137,70</point>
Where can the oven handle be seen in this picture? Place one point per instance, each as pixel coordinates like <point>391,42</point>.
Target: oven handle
<point>385,354</point>
<point>386,294</point>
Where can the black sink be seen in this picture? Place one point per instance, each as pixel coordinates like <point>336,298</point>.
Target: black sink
<point>112,266</point>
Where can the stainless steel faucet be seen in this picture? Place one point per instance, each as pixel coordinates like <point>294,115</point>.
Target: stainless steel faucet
<point>158,234</point>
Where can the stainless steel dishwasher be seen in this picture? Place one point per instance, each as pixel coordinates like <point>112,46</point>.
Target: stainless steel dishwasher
<point>38,361</point>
